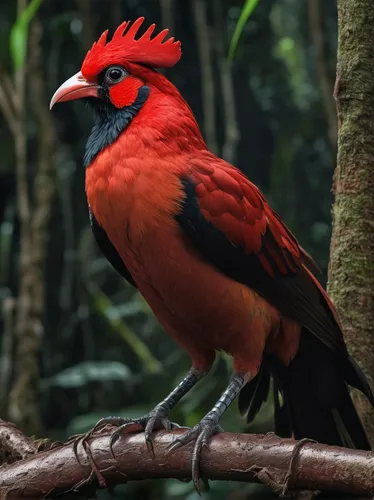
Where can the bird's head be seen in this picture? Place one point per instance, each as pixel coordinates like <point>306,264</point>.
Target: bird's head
<point>114,71</point>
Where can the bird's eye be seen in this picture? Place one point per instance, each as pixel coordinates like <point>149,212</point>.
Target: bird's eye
<point>115,75</point>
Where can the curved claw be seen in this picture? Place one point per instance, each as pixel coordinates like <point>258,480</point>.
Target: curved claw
<point>124,428</point>
<point>184,439</point>
<point>202,432</point>
<point>201,442</point>
<point>159,422</point>
<point>82,439</point>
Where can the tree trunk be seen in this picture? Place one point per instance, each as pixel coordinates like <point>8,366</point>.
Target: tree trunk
<point>351,269</point>
<point>23,408</point>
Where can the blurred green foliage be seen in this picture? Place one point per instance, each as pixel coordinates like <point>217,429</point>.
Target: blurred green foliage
<point>19,32</point>
<point>246,11</point>
<point>104,352</point>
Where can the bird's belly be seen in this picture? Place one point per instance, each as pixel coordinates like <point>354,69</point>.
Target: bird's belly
<point>202,309</point>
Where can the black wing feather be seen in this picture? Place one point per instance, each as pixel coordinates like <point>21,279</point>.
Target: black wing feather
<point>109,250</point>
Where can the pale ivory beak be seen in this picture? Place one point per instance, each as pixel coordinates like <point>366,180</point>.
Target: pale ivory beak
<point>74,88</point>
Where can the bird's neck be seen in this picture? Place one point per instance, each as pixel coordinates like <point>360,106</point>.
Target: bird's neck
<point>110,122</point>
<point>165,121</point>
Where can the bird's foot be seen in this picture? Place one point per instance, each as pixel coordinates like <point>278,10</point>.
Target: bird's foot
<point>202,432</point>
<point>154,420</point>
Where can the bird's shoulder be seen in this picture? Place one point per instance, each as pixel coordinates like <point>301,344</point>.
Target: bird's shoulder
<point>236,207</point>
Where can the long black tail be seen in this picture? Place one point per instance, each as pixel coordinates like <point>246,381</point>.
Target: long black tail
<point>311,397</point>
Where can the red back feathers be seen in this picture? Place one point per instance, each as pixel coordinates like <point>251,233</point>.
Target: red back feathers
<point>124,48</point>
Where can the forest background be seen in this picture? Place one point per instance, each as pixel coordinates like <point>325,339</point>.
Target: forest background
<point>88,342</point>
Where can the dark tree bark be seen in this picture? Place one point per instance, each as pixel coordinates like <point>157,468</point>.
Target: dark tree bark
<point>351,269</point>
<point>14,445</point>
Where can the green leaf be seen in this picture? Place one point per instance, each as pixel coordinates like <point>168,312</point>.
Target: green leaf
<point>18,34</point>
<point>88,371</point>
<point>246,12</point>
<point>18,46</point>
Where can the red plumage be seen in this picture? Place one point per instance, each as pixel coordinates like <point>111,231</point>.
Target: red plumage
<point>217,265</point>
<point>125,48</point>
<point>238,208</point>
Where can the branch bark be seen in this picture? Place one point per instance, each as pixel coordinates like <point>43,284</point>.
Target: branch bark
<point>239,457</point>
<point>351,268</point>
<point>14,445</point>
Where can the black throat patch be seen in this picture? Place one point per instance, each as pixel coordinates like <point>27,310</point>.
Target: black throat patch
<point>110,122</point>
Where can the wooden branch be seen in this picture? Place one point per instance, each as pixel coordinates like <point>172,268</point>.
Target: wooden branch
<point>14,445</point>
<point>239,457</point>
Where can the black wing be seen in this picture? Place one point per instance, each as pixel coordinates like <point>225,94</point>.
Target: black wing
<point>108,249</point>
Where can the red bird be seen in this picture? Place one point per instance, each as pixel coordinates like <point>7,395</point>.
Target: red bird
<point>217,265</point>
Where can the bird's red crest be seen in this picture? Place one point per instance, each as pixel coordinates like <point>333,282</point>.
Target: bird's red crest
<point>123,47</point>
